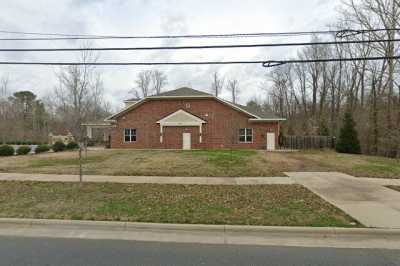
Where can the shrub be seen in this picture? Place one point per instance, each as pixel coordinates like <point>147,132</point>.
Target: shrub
<point>72,146</point>
<point>6,150</point>
<point>90,143</point>
<point>348,139</point>
<point>59,146</point>
<point>42,148</point>
<point>23,150</point>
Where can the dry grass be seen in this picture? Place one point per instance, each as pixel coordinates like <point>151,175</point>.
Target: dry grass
<point>357,165</point>
<point>289,205</point>
<point>147,163</point>
<point>202,163</point>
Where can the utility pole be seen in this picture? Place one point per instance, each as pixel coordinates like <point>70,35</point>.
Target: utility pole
<point>80,163</point>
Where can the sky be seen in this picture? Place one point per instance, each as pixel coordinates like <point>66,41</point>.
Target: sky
<point>151,17</point>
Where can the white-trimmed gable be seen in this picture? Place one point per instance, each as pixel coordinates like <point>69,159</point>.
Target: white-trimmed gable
<point>181,118</point>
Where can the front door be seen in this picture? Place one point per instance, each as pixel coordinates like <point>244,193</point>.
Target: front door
<point>270,141</point>
<point>187,141</point>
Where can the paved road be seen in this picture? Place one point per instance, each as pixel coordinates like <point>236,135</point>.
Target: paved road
<point>60,252</point>
<point>371,204</point>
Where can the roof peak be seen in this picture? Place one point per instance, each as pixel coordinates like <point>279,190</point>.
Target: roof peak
<point>182,92</point>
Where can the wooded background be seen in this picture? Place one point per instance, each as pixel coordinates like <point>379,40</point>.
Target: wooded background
<point>313,97</point>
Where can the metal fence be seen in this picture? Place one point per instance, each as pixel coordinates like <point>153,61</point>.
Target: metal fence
<point>308,142</point>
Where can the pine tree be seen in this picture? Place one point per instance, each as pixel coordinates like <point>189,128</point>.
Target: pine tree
<point>348,139</point>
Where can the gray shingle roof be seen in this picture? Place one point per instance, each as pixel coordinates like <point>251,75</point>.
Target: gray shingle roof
<point>259,113</point>
<point>133,100</point>
<point>184,91</point>
<point>189,92</point>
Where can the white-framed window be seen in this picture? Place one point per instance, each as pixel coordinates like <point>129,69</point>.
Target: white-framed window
<point>246,135</point>
<point>130,134</point>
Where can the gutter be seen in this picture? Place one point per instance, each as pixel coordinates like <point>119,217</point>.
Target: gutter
<point>370,238</point>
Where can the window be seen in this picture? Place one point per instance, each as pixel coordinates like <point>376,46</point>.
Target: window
<point>130,135</point>
<point>246,135</point>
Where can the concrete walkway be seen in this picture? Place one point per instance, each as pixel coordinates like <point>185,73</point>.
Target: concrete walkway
<point>365,200</point>
<point>148,179</point>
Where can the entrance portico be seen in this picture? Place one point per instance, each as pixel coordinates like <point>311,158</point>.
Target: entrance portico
<point>181,118</point>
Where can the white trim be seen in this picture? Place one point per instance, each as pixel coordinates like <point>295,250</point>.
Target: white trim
<point>256,117</point>
<point>237,107</point>
<point>267,119</point>
<point>180,111</point>
<point>130,135</point>
<point>126,109</point>
<point>198,122</point>
<point>245,136</point>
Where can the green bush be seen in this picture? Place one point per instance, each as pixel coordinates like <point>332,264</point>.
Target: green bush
<point>90,143</point>
<point>59,146</point>
<point>348,139</point>
<point>6,150</point>
<point>72,146</point>
<point>23,150</point>
<point>42,148</point>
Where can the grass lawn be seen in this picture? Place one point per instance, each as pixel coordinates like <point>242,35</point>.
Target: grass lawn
<point>356,165</point>
<point>147,163</point>
<point>284,205</point>
<point>208,163</point>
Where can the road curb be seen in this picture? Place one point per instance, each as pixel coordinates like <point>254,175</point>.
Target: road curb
<point>127,226</point>
<point>204,234</point>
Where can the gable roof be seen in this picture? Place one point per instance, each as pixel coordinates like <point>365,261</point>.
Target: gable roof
<point>262,114</point>
<point>189,93</point>
<point>133,100</point>
<point>181,117</point>
<point>183,92</point>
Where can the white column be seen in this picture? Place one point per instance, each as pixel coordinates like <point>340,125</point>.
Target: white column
<point>161,133</point>
<point>201,133</point>
<point>89,131</point>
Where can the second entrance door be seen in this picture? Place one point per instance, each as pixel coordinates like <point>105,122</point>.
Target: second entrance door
<point>187,141</point>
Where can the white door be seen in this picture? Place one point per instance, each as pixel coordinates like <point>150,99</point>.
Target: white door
<point>187,141</point>
<point>271,141</point>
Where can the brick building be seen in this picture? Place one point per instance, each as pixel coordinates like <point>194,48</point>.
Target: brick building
<point>190,119</point>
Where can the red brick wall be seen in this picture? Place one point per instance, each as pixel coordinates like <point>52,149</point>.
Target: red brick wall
<point>221,130</point>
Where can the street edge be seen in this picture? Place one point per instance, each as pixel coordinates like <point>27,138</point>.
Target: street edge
<point>132,226</point>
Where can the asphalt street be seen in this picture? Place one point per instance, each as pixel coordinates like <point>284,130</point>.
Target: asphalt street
<point>46,251</point>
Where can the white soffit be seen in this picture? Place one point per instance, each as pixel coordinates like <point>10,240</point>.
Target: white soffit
<point>181,117</point>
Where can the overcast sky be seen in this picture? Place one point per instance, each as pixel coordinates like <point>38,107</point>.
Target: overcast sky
<point>147,17</point>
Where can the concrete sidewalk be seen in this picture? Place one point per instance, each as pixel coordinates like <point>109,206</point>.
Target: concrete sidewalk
<point>365,200</point>
<point>148,179</point>
<point>206,234</point>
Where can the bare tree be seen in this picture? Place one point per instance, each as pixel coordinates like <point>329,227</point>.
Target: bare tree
<point>233,87</point>
<point>78,89</point>
<point>4,108</point>
<point>143,81</point>
<point>159,80</point>
<point>4,87</point>
<point>217,84</point>
<point>149,82</point>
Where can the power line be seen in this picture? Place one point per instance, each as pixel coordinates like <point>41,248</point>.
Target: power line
<point>265,63</point>
<point>274,63</point>
<point>195,46</point>
<point>133,63</point>
<point>60,36</point>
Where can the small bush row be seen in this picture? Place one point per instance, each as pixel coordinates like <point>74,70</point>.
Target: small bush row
<point>7,150</point>
<point>23,143</point>
<point>60,146</point>
<point>42,148</point>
